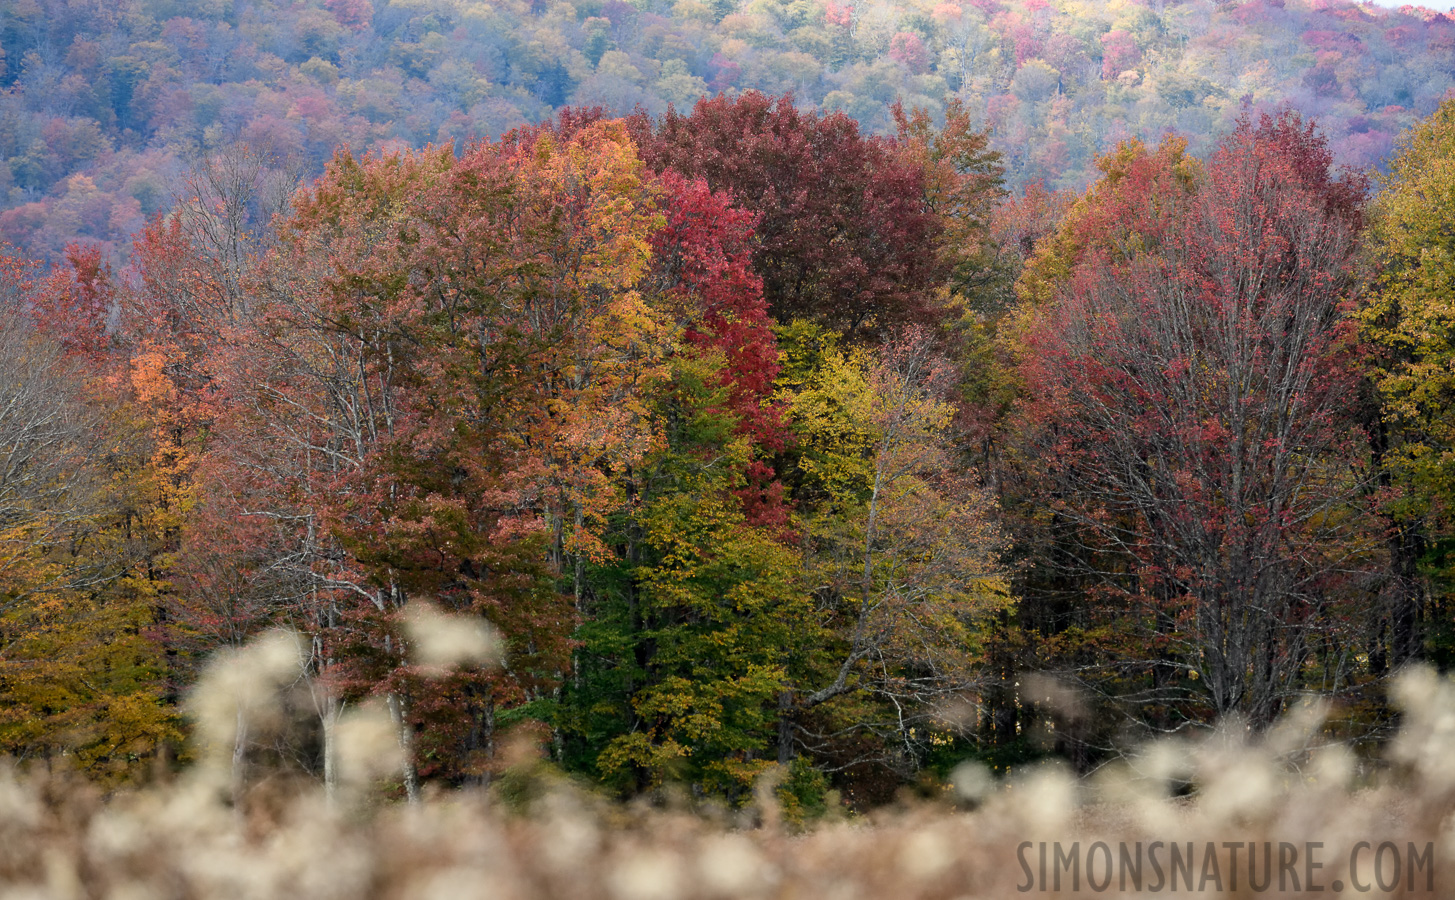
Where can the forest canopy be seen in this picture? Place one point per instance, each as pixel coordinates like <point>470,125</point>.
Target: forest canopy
<point>624,392</point>
<point>105,105</point>
<point>720,434</point>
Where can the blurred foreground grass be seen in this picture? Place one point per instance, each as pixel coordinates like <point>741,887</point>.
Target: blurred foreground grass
<point>198,836</point>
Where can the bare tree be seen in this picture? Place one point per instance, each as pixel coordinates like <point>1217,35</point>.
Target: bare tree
<point>227,206</point>
<point>1193,403</point>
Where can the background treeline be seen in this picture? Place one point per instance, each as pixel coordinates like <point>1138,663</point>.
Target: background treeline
<point>760,441</point>
<point>103,105</point>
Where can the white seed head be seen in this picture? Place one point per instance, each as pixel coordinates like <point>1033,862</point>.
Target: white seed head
<point>646,875</point>
<point>240,688</point>
<point>442,641</point>
<point>731,866</point>
<point>972,781</point>
<point>925,854</point>
<point>368,745</point>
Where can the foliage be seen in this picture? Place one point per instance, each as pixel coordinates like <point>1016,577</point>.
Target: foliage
<point>104,108</point>
<point>1191,395</point>
<point>718,609</point>
<point>83,667</point>
<point>779,456</point>
<point>847,233</point>
<point>1406,324</point>
<point>903,549</point>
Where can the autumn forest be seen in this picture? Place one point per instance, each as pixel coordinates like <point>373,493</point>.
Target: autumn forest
<point>773,387</point>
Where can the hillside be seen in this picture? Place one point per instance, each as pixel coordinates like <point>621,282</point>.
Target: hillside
<point>105,103</point>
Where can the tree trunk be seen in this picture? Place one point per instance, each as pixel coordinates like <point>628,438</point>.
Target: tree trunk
<point>239,757</point>
<point>329,717</point>
<point>786,728</point>
<point>398,710</point>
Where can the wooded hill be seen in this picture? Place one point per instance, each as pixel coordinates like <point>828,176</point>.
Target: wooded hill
<point>106,104</point>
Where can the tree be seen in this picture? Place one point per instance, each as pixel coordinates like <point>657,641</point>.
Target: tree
<point>687,626</point>
<point>228,202</point>
<point>1405,322</point>
<point>1191,397</point>
<point>82,671</point>
<point>710,615</point>
<point>48,482</point>
<point>904,553</point>
<point>444,365</point>
<point>846,235</point>
<point>962,186</point>
<point>702,267</point>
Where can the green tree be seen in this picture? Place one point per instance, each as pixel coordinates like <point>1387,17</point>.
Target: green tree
<point>712,610</point>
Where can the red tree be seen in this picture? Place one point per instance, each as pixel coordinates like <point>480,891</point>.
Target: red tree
<point>355,14</point>
<point>1192,399</point>
<point>907,49</point>
<point>845,233</point>
<point>75,302</point>
<point>704,256</point>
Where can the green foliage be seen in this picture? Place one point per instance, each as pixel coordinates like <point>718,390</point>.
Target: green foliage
<point>716,608</point>
<point>804,794</point>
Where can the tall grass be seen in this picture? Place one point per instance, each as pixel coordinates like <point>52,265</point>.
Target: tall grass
<point>211,833</point>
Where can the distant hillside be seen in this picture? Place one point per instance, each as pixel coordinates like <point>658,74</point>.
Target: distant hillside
<point>106,100</point>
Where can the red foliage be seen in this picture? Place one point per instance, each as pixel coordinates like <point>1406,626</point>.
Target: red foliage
<point>907,49</point>
<point>703,257</point>
<point>845,234</point>
<point>17,278</point>
<point>355,14</point>
<point>1119,52</point>
<point>1020,222</point>
<point>74,304</point>
<point>1028,44</point>
<point>1192,373</point>
<point>725,73</point>
<point>705,254</point>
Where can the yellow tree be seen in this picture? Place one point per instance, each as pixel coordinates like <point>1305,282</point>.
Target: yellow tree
<point>904,552</point>
<point>1408,323</point>
<point>81,672</point>
<point>604,342</point>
